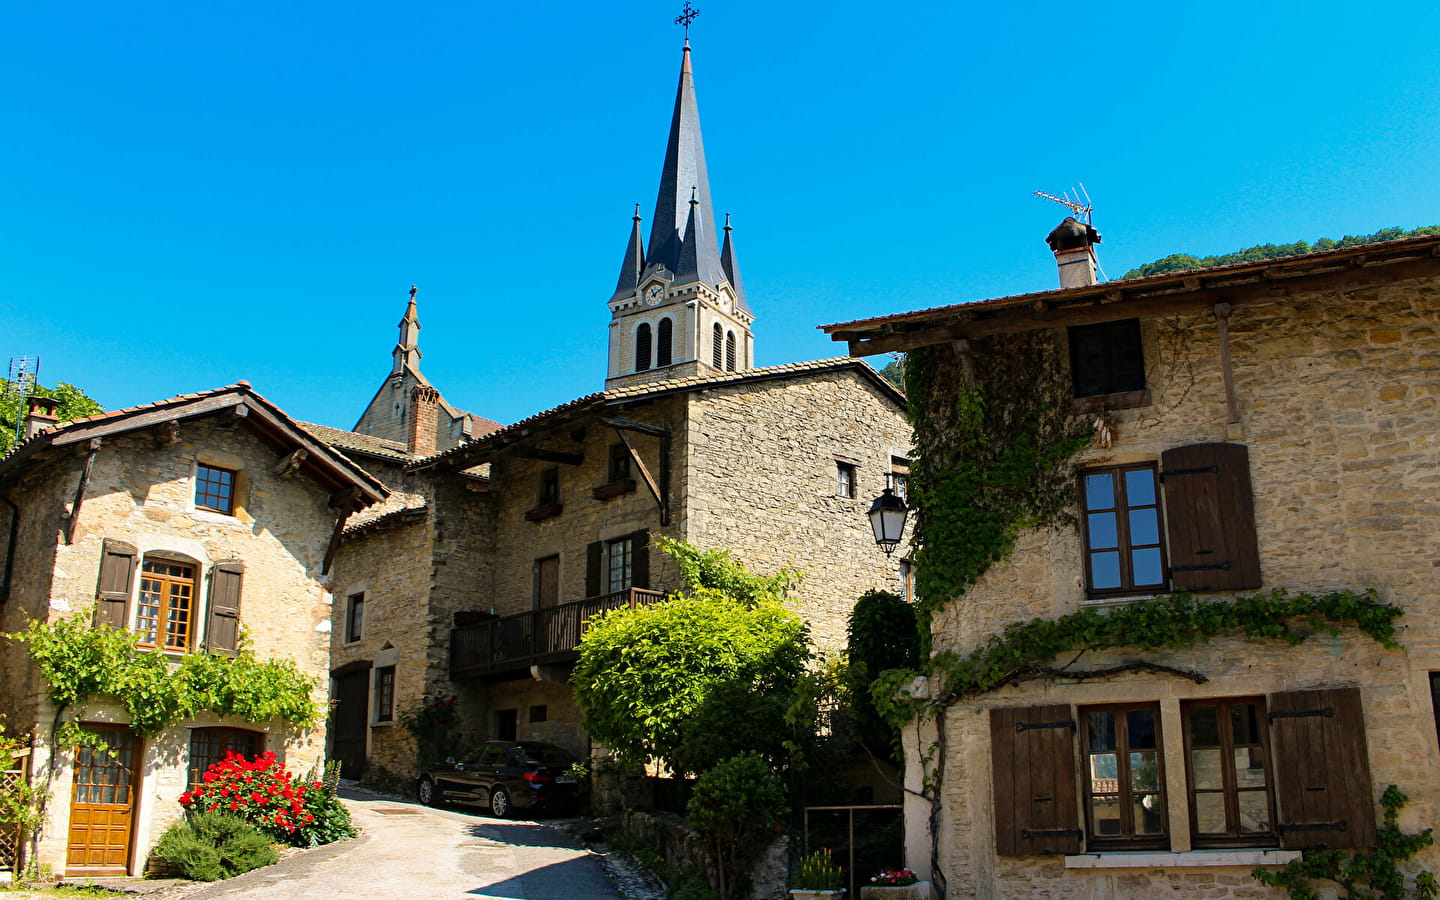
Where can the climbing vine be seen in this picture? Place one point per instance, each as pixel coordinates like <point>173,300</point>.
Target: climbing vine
<point>1363,875</point>
<point>994,438</point>
<point>81,662</point>
<point>1176,621</point>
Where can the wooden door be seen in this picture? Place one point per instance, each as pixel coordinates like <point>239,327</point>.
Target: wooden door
<point>350,723</point>
<point>102,803</point>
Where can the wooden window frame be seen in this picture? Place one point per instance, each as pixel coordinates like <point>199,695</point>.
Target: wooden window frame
<point>846,475</point>
<point>1124,791</point>
<point>227,484</point>
<point>384,694</point>
<point>354,617</point>
<point>163,604</point>
<point>1230,790</point>
<point>1120,370</point>
<point>216,743</point>
<point>1125,547</point>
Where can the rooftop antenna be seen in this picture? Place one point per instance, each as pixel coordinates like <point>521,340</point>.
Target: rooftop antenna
<point>1073,203</point>
<point>24,376</point>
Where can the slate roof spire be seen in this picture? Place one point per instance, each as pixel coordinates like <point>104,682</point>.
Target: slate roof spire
<point>634,262</point>
<point>732,268</point>
<point>683,178</point>
<point>407,351</point>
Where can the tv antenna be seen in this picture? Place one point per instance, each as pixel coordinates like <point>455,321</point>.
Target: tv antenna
<point>24,376</point>
<point>1073,202</point>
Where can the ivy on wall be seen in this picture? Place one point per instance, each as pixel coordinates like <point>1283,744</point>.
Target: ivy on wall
<point>81,663</point>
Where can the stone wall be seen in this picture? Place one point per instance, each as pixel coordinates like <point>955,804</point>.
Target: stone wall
<point>1337,398</point>
<point>761,480</point>
<point>143,494</point>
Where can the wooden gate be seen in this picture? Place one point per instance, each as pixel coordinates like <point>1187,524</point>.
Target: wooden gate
<point>102,804</point>
<point>350,723</point>
<point>11,834</point>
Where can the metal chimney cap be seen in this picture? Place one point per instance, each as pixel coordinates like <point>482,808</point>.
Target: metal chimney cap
<point>1072,234</point>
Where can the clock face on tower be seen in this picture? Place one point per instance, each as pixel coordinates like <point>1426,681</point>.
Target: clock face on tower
<point>653,294</point>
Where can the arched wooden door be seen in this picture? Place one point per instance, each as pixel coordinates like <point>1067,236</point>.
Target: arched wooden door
<point>102,803</point>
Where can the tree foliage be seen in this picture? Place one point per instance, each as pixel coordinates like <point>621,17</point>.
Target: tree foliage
<point>882,635</point>
<point>738,806</point>
<point>73,405</point>
<point>1182,262</point>
<point>894,372</point>
<point>718,572</point>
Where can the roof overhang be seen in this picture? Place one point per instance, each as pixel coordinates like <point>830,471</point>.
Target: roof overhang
<point>1363,265</point>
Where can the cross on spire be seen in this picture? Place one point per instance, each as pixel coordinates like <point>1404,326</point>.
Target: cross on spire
<point>687,15</point>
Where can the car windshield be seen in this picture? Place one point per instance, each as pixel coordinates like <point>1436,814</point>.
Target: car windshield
<point>543,755</point>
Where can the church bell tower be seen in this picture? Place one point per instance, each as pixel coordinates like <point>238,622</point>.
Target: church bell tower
<point>679,307</point>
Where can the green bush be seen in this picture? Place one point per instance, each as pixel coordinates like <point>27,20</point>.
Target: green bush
<point>211,846</point>
<point>332,820</point>
<point>738,805</point>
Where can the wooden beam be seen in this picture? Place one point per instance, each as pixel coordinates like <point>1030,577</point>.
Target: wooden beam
<point>290,463</point>
<point>658,491</point>
<point>555,456</point>
<point>73,521</point>
<point>235,416</point>
<point>166,434</point>
<point>631,425</point>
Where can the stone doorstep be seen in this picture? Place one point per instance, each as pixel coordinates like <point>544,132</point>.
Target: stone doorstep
<point>126,884</point>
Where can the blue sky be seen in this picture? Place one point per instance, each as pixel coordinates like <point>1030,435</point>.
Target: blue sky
<point>199,193</point>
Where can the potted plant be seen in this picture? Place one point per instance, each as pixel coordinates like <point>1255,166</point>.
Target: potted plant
<point>817,878</point>
<point>895,884</point>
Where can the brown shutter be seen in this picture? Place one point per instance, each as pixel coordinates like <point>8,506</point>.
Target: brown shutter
<point>1210,518</point>
<point>640,559</point>
<point>594,558</point>
<point>1032,755</point>
<point>1322,769</point>
<point>222,636</point>
<point>117,575</point>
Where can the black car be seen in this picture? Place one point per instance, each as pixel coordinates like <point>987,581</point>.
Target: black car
<point>504,775</point>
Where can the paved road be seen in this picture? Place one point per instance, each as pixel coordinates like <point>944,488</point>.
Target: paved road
<point>409,851</point>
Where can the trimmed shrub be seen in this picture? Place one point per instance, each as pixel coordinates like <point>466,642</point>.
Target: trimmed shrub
<point>211,846</point>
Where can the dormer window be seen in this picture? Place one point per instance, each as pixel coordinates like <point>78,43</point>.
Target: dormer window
<point>215,489</point>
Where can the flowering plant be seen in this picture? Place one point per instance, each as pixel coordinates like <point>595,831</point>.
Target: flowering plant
<point>894,878</point>
<point>264,793</point>
<point>433,724</point>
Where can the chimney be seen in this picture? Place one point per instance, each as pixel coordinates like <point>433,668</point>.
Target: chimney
<point>40,415</point>
<point>424,419</point>
<point>1074,245</point>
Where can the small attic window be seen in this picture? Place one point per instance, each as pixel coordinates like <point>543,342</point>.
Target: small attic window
<point>1107,358</point>
<point>215,489</point>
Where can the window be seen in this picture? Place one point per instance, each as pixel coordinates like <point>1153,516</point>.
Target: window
<point>717,347</point>
<point>538,714</point>
<point>907,581</point>
<point>506,729</point>
<point>167,601</point>
<point>1123,549</point>
<point>619,558</point>
<point>730,352</point>
<point>1124,799</point>
<point>663,341</point>
<point>1107,358</point>
<point>845,479</point>
<point>550,487</point>
<point>354,617</point>
<point>1228,773</point>
<point>642,347</point>
<point>214,489</point>
<point>208,746</point>
<point>385,694</point>
<point>619,463</point>
<point>899,477</point>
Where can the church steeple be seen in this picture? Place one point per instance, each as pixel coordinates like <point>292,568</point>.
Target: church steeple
<point>681,299</point>
<point>407,352</point>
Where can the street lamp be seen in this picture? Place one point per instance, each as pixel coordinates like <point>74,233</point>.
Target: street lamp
<point>887,519</point>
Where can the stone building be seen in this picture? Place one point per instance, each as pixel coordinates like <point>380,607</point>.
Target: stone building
<point>474,579</point>
<point>199,523</point>
<point>1260,426</point>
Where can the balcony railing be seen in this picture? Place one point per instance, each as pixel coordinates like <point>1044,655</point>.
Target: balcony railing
<point>540,637</point>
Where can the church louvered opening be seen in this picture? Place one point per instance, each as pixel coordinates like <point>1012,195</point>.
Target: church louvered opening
<point>663,340</point>
<point>717,347</point>
<point>730,352</point>
<point>642,348</point>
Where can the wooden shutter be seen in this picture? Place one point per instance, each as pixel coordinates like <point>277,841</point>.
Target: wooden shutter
<point>1210,517</point>
<point>594,566</point>
<point>222,635</point>
<point>1032,755</point>
<point>640,559</point>
<point>1322,769</point>
<point>117,576</point>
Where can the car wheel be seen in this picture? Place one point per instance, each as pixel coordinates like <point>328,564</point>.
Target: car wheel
<point>499,803</point>
<point>427,793</point>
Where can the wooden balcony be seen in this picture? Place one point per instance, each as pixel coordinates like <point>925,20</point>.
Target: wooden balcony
<point>547,636</point>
